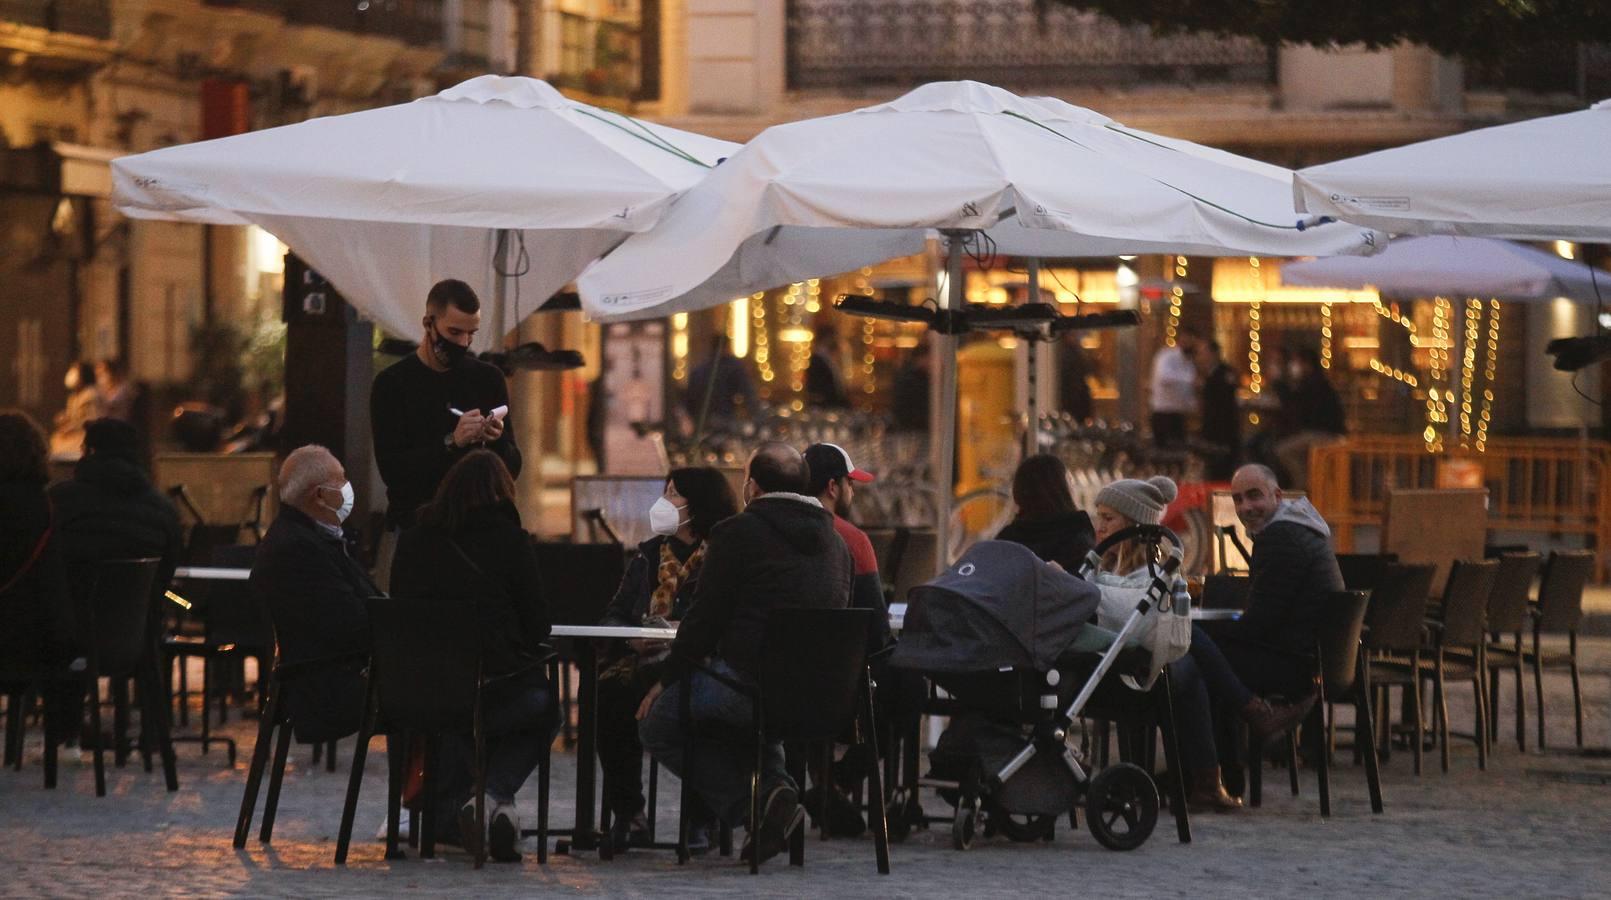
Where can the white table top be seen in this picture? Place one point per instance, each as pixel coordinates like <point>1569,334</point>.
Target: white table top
<point>210,573</point>
<point>614,631</point>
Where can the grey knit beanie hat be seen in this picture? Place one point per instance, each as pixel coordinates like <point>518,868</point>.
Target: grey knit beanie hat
<point>1142,502</point>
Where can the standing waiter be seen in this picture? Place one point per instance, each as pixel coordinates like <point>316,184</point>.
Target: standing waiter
<point>428,409</point>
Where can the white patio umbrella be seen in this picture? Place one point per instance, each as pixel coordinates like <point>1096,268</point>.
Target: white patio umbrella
<point>1456,267</point>
<point>386,202</point>
<point>1029,177</point>
<point>1542,179</point>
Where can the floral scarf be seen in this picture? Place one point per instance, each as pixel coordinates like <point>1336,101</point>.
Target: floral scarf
<point>670,577</point>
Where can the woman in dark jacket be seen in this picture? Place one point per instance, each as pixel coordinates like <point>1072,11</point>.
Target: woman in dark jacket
<point>35,624</point>
<point>656,589</point>
<point>1048,522</point>
<point>469,546</point>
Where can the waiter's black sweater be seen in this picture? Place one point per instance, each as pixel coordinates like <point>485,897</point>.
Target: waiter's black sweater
<point>408,414</point>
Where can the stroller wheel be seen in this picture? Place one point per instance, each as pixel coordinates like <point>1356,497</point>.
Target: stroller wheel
<point>964,825</point>
<point>1022,828</point>
<point>1121,807</point>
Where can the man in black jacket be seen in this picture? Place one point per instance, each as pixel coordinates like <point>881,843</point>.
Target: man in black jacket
<point>427,410</point>
<point>315,594</point>
<point>110,510</point>
<point>781,551</point>
<point>1292,571</point>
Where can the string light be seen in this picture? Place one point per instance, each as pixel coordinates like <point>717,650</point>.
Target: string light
<point>1254,312</point>
<point>1490,370</point>
<point>1437,414</point>
<point>1400,375</point>
<point>869,380</point>
<point>1468,369</point>
<point>1325,335</point>
<point>1177,294</point>
<point>763,350</point>
<point>679,346</point>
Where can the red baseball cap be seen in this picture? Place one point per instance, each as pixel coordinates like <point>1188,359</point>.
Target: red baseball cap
<point>830,462</point>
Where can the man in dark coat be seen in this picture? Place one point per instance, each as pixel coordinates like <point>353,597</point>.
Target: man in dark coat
<point>110,510</point>
<point>780,552</point>
<point>1292,571</point>
<point>315,594</point>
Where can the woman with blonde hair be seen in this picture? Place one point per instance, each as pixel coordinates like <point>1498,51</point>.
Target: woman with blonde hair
<point>1201,677</point>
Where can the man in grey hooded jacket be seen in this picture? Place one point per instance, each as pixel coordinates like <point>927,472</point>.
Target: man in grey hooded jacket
<point>1292,571</point>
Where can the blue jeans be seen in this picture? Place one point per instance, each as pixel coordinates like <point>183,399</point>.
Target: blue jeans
<point>720,771</point>
<point>1199,679</point>
<point>518,721</point>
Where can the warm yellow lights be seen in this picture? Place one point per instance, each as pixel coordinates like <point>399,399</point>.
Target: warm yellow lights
<point>738,327</point>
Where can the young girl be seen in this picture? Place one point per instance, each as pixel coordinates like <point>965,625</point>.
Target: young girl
<point>1201,674</point>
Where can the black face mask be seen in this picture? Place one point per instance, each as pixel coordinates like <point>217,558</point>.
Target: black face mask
<point>447,352</point>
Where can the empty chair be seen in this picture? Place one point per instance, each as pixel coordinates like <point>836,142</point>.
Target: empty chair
<point>1508,616</point>
<point>1559,610</point>
<point>1461,627</point>
<point>1395,626</point>
<point>235,625</point>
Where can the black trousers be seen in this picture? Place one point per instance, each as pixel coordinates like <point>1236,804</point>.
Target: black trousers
<point>1169,429</point>
<point>619,749</point>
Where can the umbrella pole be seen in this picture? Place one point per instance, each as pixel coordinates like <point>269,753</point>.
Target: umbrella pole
<point>1032,396</point>
<point>942,445</point>
<point>500,286</point>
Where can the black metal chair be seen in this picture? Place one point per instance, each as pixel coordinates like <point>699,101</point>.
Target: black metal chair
<point>1459,644</point>
<point>112,633</point>
<point>274,728</point>
<point>235,625</point>
<point>813,678</point>
<point>1364,571</point>
<point>1560,609</point>
<point>1507,615</point>
<point>1395,632</point>
<point>1343,673</point>
<point>578,582</point>
<point>426,679</point>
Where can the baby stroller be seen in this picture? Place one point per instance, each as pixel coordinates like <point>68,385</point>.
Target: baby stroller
<point>995,632</point>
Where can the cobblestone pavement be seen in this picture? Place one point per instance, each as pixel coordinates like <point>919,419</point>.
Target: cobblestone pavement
<point>1532,825</point>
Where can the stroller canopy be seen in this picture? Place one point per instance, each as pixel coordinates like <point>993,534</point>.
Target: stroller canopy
<point>998,607</point>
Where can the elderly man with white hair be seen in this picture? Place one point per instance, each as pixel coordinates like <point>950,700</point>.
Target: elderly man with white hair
<point>314,592</point>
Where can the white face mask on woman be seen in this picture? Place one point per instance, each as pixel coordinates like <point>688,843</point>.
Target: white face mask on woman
<point>665,517</point>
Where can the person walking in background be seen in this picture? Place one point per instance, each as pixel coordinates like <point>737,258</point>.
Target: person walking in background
<point>656,589</point>
<point>1316,413</point>
<point>470,551</point>
<point>824,385</point>
<point>1221,426</point>
<point>1073,377</point>
<point>83,404</point>
<point>1173,394</point>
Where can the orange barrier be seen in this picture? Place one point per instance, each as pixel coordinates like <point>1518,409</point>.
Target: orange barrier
<point>1546,485</point>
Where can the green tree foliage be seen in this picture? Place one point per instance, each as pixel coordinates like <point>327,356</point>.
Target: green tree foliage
<point>1481,29</point>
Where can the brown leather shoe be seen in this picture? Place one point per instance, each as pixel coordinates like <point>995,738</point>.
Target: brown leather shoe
<point>1208,793</point>
<point>1268,720</point>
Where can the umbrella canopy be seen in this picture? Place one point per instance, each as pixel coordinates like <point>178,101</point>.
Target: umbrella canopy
<point>1542,179</point>
<point>1037,176</point>
<point>386,202</point>
<point>1458,267</point>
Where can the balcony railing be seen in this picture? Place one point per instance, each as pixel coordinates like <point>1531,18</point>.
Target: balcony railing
<point>898,43</point>
<point>90,18</point>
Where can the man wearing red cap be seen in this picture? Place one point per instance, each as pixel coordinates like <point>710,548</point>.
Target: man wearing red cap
<point>833,477</point>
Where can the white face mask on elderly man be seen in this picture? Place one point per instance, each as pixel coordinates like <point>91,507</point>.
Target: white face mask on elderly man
<point>347,498</point>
